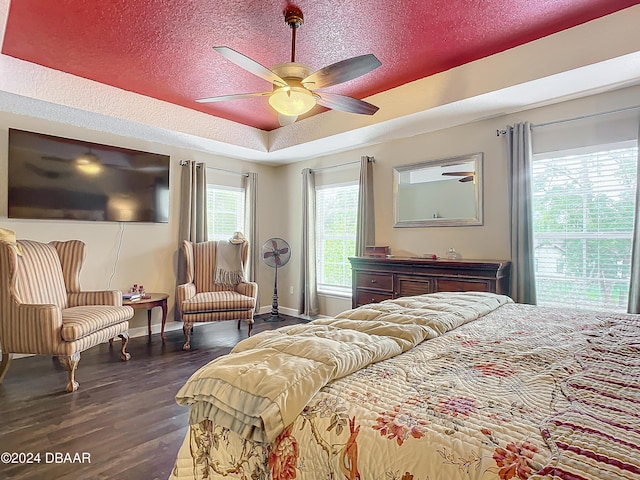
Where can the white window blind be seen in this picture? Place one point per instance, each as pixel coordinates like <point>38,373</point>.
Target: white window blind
<point>336,216</point>
<point>583,215</point>
<point>225,211</point>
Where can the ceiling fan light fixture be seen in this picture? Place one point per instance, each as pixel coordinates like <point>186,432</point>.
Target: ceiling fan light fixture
<point>292,101</point>
<point>89,164</point>
<point>285,120</point>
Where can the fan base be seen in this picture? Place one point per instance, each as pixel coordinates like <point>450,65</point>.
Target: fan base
<point>293,16</point>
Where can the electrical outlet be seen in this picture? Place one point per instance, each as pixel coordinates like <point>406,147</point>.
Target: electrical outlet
<point>291,290</point>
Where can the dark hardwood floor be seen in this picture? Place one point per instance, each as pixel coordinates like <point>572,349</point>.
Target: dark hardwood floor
<point>123,416</point>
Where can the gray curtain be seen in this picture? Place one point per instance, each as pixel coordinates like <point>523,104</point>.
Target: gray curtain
<point>193,211</point>
<point>366,223</point>
<point>251,228</point>
<point>634,286</point>
<point>523,286</point>
<point>193,202</point>
<point>308,280</point>
<point>251,222</point>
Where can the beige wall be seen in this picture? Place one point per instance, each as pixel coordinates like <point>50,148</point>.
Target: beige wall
<point>489,241</point>
<point>148,252</point>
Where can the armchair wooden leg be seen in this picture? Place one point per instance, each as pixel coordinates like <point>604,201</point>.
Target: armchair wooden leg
<point>124,355</point>
<point>250,324</point>
<point>71,363</point>
<point>4,365</point>
<point>187,331</point>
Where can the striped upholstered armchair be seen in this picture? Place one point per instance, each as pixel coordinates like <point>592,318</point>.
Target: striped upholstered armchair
<point>44,311</point>
<point>201,299</point>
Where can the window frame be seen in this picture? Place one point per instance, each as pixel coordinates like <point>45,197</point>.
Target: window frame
<point>339,291</point>
<point>566,239</point>
<point>240,220</point>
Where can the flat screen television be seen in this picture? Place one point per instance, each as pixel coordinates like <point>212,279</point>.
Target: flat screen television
<point>59,178</point>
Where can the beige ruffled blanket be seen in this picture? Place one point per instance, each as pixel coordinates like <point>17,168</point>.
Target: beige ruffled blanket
<point>266,381</point>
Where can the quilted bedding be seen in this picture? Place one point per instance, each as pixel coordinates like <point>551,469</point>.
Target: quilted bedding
<point>513,392</point>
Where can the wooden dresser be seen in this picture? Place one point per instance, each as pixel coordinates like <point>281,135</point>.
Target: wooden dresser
<point>378,279</point>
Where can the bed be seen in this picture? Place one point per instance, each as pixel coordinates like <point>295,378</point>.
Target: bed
<point>432,387</point>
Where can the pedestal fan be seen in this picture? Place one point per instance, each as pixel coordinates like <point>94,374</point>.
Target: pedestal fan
<point>275,253</point>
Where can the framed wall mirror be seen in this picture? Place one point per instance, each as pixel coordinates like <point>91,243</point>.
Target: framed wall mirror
<point>439,193</point>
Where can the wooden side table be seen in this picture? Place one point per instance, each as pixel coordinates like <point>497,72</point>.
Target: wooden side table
<point>154,300</point>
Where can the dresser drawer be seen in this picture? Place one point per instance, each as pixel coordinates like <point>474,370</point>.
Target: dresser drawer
<point>410,286</point>
<point>456,285</point>
<point>377,281</point>
<point>364,296</point>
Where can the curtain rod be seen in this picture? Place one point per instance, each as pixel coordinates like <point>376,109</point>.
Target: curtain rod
<point>228,171</point>
<point>185,162</point>
<point>585,116</point>
<point>581,117</point>
<point>370,159</point>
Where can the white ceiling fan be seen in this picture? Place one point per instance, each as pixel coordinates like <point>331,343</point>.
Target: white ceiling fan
<point>295,84</point>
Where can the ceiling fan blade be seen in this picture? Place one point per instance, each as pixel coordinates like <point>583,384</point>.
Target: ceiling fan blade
<point>223,98</point>
<point>43,172</point>
<point>250,65</point>
<point>55,159</point>
<point>342,71</point>
<point>344,103</point>
<point>459,174</point>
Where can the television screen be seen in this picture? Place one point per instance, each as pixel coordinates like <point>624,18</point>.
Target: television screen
<point>59,178</point>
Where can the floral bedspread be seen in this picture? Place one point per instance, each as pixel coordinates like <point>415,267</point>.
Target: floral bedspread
<point>523,392</point>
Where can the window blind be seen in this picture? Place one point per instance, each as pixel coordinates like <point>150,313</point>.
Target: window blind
<point>336,215</point>
<point>225,211</point>
<point>583,216</point>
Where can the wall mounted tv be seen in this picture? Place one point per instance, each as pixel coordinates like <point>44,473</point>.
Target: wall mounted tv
<point>59,178</point>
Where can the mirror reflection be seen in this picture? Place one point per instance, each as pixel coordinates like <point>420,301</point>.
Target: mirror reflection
<point>445,192</point>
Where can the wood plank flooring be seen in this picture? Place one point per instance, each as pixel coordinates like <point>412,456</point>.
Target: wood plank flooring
<point>124,415</point>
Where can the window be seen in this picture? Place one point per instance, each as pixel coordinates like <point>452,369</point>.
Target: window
<point>225,211</point>
<point>336,217</point>
<point>583,215</point>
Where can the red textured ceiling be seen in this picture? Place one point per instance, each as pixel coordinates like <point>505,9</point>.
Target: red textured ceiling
<point>162,48</point>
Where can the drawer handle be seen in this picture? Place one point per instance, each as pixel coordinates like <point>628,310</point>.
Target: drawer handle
<point>373,280</point>
<point>373,300</point>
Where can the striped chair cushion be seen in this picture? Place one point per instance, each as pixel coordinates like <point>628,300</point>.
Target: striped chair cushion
<point>218,301</point>
<point>192,318</point>
<point>78,322</point>
<point>39,278</point>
